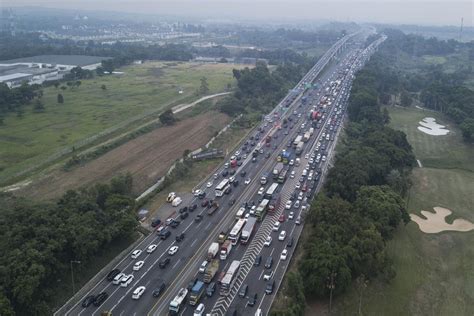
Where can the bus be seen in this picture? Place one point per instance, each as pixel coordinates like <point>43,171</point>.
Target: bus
<point>222,186</point>
<point>262,209</point>
<point>271,190</point>
<point>178,302</point>
<point>247,231</point>
<point>282,176</point>
<point>229,278</point>
<point>236,231</point>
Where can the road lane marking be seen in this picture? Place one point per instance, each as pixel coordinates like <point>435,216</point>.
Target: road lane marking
<point>261,274</point>
<point>207,226</point>
<point>193,242</point>
<point>174,266</point>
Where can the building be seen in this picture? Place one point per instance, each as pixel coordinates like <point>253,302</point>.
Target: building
<point>37,69</point>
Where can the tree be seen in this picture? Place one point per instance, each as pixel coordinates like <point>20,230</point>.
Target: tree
<point>167,117</point>
<point>108,65</point>
<point>38,106</point>
<point>78,83</point>
<point>56,84</point>
<point>60,98</point>
<point>405,99</point>
<point>63,87</point>
<point>103,87</point>
<point>204,88</point>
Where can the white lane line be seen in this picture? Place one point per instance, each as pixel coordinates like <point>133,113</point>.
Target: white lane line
<point>192,244</point>
<point>273,249</point>
<point>174,266</point>
<point>207,226</point>
<point>190,224</point>
<point>260,277</point>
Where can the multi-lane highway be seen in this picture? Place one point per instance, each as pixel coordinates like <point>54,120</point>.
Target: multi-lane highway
<point>283,124</point>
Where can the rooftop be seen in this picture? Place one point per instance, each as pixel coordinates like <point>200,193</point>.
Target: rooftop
<point>77,60</point>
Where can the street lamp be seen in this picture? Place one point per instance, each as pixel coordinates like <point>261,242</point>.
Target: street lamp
<point>72,275</point>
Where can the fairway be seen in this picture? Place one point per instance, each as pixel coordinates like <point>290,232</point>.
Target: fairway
<point>434,272</point>
<point>90,112</point>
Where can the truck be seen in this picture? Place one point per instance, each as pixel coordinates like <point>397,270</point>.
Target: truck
<point>214,206</point>
<point>212,251</point>
<point>264,178</point>
<point>299,148</point>
<point>297,140</point>
<point>282,176</point>
<point>223,236</point>
<point>233,163</point>
<point>284,157</point>
<point>178,302</point>
<point>277,169</point>
<point>240,213</point>
<point>196,293</point>
<point>306,136</point>
<point>229,278</point>
<point>274,204</point>
<point>247,231</point>
<point>211,271</point>
<point>268,140</point>
<point>226,248</point>
<point>261,210</point>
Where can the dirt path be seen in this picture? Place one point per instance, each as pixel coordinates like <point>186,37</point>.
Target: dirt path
<point>147,158</point>
<point>182,107</point>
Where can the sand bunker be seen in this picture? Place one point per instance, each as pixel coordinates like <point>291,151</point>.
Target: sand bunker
<point>436,222</point>
<point>429,126</point>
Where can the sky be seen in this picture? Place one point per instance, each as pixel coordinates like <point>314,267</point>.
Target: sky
<point>423,12</point>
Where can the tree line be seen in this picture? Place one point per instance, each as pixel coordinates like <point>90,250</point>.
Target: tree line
<point>361,204</point>
<point>39,240</point>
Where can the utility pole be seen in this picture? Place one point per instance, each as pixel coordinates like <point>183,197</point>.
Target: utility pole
<point>72,275</point>
<point>331,286</point>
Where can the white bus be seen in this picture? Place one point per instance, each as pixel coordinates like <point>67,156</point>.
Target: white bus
<point>222,186</point>
<point>230,277</point>
<point>271,190</point>
<point>236,231</point>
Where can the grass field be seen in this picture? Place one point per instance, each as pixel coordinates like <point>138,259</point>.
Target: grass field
<point>88,111</point>
<point>435,272</point>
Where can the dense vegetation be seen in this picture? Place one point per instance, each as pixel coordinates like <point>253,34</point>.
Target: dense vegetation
<point>38,240</point>
<point>361,205</point>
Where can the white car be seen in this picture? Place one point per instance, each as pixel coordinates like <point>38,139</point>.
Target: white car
<point>323,158</point>
<point>237,153</point>
<point>137,293</point>
<point>284,254</point>
<point>203,266</point>
<point>126,280</point>
<point>288,204</point>
<point>136,253</point>
<point>137,266</point>
<point>261,191</point>
<point>151,248</point>
<point>306,156</point>
<point>292,174</point>
<point>276,226</point>
<point>297,187</point>
<point>268,241</point>
<point>199,311</point>
<point>298,220</point>
<point>173,250</point>
<point>282,235</point>
<point>292,162</point>
<point>209,184</point>
<point>300,196</point>
<point>252,210</point>
<point>296,205</point>
<point>232,179</point>
<point>247,181</point>
<point>118,278</point>
<point>267,277</point>
<point>291,215</point>
<point>197,192</point>
<point>311,160</point>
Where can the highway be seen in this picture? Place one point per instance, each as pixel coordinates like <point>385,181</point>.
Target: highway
<point>184,265</point>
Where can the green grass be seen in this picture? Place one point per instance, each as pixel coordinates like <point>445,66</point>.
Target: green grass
<point>435,272</point>
<point>88,111</point>
<point>434,60</point>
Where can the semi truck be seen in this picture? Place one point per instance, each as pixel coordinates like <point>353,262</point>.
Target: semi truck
<point>212,251</point>
<point>214,206</point>
<point>248,230</point>
<point>178,301</point>
<point>299,148</point>
<point>277,169</point>
<point>211,271</point>
<point>196,293</point>
<point>226,248</point>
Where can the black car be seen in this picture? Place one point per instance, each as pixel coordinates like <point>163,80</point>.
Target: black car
<point>165,234</point>
<point>243,174</point>
<point>180,237</point>
<point>211,288</point>
<point>184,215</point>
<point>225,173</point>
<point>243,290</point>
<point>290,243</point>
<point>257,261</point>
<point>155,222</point>
<point>228,190</point>
<point>204,203</point>
<point>99,299</point>
<point>252,300</point>
<point>198,218</point>
<point>269,287</point>
<point>88,301</point>
<point>112,274</point>
<point>202,195</point>
<point>159,289</point>
<point>239,163</point>
<point>175,223</point>
<point>193,207</point>
<point>269,263</point>
<point>163,263</point>
<point>235,183</point>
<point>232,172</point>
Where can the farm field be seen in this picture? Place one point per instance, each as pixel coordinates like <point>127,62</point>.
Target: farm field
<point>89,112</point>
<point>434,272</point>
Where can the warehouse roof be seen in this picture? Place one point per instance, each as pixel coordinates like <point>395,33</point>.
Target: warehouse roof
<point>76,60</point>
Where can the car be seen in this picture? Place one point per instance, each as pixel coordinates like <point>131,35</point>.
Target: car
<point>138,292</point>
<point>199,311</point>
<point>159,289</point>
<point>197,192</point>
<point>151,248</point>
<point>136,253</point>
<point>118,278</point>
<point>165,234</point>
<point>232,172</point>
<point>237,153</point>
<point>173,250</point>
<point>254,159</point>
<point>258,259</point>
<point>247,181</point>
<point>298,186</point>
<point>209,184</point>
<point>269,263</point>
<point>88,301</point>
<point>235,183</point>
<point>301,179</point>
<point>231,179</point>
<point>268,241</point>
<point>203,266</point>
<point>276,226</point>
<point>252,300</point>
<point>298,220</point>
<point>179,237</point>
<point>304,187</point>
<point>126,280</point>
<point>137,266</point>
<point>269,287</point>
<point>243,290</point>
<point>261,191</point>
<point>282,235</point>
<point>160,229</point>
<point>288,204</point>
<point>284,254</point>
<point>211,288</point>
<point>198,218</point>
<point>323,158</point>
<point>100,298</point>
<point>175,223</point>
<point>252,210</point>
<point>112,274</point>
<point>300,196</point>
<point>202,195</point>
<point>292,174</point>
<point>169,221</point>
<point>243,174</point>
<point>311,160</point>
<point>193,207</point>
<point>306,156</point>
<point>183,210</point>
<point>268,276</point>
<point>183,215</point>
<point>282,218</point>
<point>296,205</point>
<point>292,162</point>
<point>289,244</point>
<point>155,222</point>
<point>225,173</point>
<point>163,263</point>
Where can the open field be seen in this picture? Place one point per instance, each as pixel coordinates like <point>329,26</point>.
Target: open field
<point>147,157</point>
<point>89,111</point>
<point>435,274</point>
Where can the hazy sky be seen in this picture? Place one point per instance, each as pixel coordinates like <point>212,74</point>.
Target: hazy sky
<point>442,12</point>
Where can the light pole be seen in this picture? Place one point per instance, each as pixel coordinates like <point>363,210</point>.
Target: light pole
<point>72,275</point>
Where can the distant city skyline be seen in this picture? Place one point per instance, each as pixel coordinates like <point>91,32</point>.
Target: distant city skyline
<point>420,12</point>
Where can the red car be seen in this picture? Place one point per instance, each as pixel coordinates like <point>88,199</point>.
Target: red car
<point>205,203</point>
<point>282,218</point>
<point>304,187</point>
